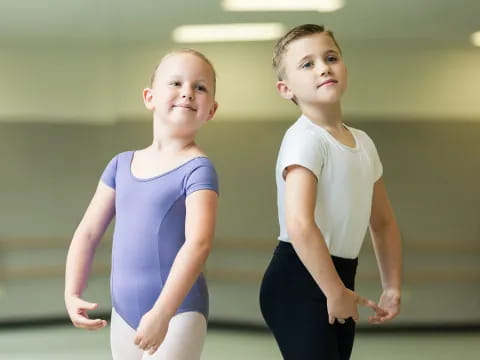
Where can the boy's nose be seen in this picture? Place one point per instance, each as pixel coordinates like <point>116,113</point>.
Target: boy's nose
<point>187,96</point>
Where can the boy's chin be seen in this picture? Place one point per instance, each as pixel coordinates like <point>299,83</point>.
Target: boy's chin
<point>328,100</point>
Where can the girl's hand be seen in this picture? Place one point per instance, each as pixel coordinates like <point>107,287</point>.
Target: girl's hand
<point>390,303</point>
<point>151,331</point>
<point>344,306</point>
<point>77,310</point>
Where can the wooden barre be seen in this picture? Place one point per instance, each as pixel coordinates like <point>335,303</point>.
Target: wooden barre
<point>248,244</point>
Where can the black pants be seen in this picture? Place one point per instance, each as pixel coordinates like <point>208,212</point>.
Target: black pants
<point>295,309</point>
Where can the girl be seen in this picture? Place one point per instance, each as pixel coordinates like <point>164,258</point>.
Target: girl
<point>164,199</point>
<point>329,187</point>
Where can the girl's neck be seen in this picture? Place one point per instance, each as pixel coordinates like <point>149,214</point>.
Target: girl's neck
<point>168,140</point>
<point>328,116</point>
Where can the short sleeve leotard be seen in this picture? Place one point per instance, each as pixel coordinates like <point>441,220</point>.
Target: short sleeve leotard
<point>149,232</point>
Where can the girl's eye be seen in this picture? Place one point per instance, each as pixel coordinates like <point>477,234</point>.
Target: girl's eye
<point>175,83</point>
<point>332,59</point>
<point>307,65</point>
<point>201,88</point>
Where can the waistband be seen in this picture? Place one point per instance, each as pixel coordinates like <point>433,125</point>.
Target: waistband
<point>287,248</point>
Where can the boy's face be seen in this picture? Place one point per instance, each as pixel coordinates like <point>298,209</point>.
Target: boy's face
<point>182,94</point>
<point>314,72</point>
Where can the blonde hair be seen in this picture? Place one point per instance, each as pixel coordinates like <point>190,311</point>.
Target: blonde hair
<point>296,33</point>
<point>191,52</point>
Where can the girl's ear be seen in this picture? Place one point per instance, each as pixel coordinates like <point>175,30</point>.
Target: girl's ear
<point>148,98</point>
<point>284,90</point>
<point>213,110</point>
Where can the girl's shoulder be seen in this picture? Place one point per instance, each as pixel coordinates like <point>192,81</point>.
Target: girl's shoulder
<point>123,155</point>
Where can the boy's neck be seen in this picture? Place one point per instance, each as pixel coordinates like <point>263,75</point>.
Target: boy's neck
<point>327,116</point>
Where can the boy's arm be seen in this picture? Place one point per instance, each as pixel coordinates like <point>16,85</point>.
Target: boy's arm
<point>388,250</point>
<point>309,244</point>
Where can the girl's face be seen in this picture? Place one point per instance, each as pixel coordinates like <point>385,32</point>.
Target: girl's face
<point>182,95</point>
<point>314,71</point>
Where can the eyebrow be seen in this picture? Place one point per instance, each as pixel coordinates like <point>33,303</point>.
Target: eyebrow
<point>179,76</point>
<point>312,55</point>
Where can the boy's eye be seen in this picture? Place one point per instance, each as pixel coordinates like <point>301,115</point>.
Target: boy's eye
<point>175,83</point>
<point>201,88</point>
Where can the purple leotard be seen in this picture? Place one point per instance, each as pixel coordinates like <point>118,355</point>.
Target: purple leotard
<point>149,232</point>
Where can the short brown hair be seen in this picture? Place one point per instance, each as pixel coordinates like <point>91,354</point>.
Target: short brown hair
<point>296,33</point>
<point>191,52</point>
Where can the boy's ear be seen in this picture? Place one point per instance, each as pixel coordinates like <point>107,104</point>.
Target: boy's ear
<point>284,90</point>
<point>148,98</point>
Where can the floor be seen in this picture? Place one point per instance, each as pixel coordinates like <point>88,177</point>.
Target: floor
<point>64,342</point>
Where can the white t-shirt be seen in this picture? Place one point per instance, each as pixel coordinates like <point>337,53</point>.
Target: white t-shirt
<point>346,177</point>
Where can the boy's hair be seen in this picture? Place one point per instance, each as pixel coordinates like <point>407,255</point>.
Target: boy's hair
<point>296,33</point>
<point>191,52</point>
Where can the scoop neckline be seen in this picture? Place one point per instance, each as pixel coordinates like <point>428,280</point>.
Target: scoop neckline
<point>132,155</point>
<point>332,138</point>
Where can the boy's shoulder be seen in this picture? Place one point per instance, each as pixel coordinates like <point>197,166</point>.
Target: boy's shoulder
<point>359,133</point>
<point>302,128</point>
<point>302,136</point>
<point>363,138</point>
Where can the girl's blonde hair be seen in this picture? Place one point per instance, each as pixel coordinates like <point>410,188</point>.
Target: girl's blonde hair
<point>191,52</point>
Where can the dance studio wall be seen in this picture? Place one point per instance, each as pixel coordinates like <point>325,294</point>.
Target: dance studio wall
<point>66,109</point>
<point>58,82</point>
<point>50,172</point>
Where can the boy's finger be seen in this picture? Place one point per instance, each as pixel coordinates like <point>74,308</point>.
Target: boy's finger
<point>380,311</point>
<point>365,302</point>
<point>389,316</point>
<point>374,320</point>
<point>331,319</point>
<point>372,305</point>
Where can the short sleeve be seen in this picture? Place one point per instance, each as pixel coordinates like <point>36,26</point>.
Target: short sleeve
<point>203,177</point>
<point>304,149</point>
<point>376,163</point>
<point>378,167</point>
<point>110,172</point>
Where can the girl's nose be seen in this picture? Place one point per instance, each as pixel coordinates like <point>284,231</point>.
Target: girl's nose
<point>325,70</point>
<point>187,94</point>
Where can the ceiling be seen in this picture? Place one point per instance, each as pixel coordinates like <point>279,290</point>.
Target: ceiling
<point>444,22</point>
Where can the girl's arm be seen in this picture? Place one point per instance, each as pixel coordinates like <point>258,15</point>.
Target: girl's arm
<point>309,244</point>
<point>201,212</point>
<point>388,250</point>
<point>80,255</point>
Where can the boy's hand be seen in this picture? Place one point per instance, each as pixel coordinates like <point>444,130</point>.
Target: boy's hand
<point>151,331</point>
<point>77,310</point>
<point>345,305</point>
<point>390,303</point>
